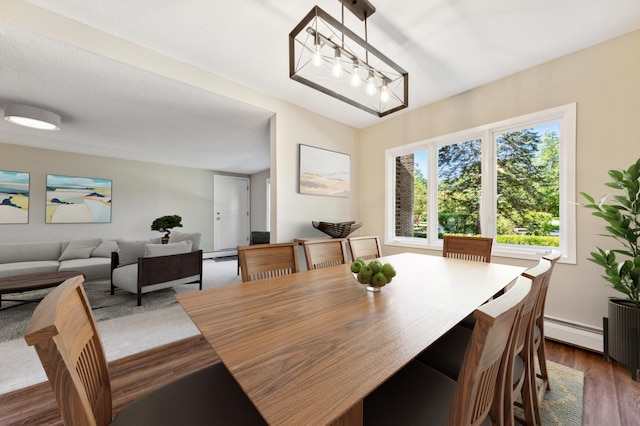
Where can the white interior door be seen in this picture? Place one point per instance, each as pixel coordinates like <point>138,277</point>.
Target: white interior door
<point>231,211</point>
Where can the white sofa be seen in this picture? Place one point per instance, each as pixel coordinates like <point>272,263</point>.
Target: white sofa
<point>92,257</point>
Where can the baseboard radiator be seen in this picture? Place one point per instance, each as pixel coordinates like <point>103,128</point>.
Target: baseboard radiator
<point>576,334</point>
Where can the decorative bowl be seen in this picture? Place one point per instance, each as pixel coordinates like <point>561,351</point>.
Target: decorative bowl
<point>337,229</point>
<point>369,286</point>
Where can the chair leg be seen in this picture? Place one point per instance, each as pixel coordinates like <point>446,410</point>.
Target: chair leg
<point>527,396</point>
<point>542,360</point>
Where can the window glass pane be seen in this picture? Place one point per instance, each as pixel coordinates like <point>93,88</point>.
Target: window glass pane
<point>459,188</point>
<point>411,195</point>
<point>528,186</point>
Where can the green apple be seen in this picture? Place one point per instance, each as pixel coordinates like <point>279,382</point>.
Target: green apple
<point>378,280</point>
<point>365,273</point>
<point>355,267</point>
<point>388,271</point>
<point>376,266</point>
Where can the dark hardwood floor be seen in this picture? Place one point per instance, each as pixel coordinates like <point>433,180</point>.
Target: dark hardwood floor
<point>611,398</point>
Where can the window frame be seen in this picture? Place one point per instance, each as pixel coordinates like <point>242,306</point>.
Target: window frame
<point>565,115</point>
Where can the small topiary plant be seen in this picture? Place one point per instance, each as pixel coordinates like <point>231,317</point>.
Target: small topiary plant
<point>166,223</point>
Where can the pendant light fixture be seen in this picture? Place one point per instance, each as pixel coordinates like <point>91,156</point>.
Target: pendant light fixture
<point>326,55</point>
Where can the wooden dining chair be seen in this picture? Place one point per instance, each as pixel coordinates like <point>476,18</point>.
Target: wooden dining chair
<point>539,338</point>
<point>476,249</point>
<point>268,260</point>
<point>446,354</point>
<point>420,394</point>
<point>365,248</point>
<point>65,336</point>
<point>325,253</point>
<point>468,248</point>
<point>520,372</point>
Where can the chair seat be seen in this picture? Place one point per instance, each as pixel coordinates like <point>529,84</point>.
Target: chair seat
<point>206,397</point>
<point>416,395</point>
<point>447,353</point>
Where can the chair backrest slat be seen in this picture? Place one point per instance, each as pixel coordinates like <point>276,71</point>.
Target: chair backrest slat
<point>63,331</point>
<point>467,248</point>
<point>268,260</point>
<point>365,248</point>
<point>324,253</point>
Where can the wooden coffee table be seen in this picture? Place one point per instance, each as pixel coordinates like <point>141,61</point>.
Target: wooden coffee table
<point>35,281</point>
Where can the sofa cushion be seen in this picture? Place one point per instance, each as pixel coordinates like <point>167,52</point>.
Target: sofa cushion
<point>126,278</point>
<point>195,239</point>
<point>79,249</point>
<point>28,252</point>
<point>105,248</point>
<point>130,251</point>
<point>155,250</point>
<point>19,268</point>
<point>93,268</point>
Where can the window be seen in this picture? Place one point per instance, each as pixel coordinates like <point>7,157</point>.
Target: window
<point>512,181</point>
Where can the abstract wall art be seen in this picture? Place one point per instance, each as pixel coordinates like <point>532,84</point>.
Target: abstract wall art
<point>14,197</point>
<point>324,172</point>
<point>72,199</point>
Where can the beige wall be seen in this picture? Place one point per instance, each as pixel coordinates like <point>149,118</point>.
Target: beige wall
<point>604,80</point>
<point>259,201</point>
<point>141,192</point>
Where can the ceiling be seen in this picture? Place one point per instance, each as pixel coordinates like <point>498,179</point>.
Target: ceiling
<point>112,109</point>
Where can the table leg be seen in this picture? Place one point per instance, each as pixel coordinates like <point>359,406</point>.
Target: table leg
<point>352,417</point>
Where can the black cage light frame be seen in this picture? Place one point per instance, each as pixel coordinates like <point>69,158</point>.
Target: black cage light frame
<point>318,34</point>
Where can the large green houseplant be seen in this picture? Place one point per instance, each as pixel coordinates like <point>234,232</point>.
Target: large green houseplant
<point>165,224</point>
<point>621,264</point>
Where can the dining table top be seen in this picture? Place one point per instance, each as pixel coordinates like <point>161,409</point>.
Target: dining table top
<point>307,348</point>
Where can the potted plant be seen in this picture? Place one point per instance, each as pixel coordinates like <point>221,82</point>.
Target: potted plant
<point>621,265</point>
<point>165,224</point>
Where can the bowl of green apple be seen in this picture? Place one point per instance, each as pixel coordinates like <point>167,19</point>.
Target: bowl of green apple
<point>374,275</point>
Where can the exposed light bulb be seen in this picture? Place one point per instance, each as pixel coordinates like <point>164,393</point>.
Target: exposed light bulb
<point>337,66</point>
<point>317,59</point>
<point>384,93</point>
<point>371,87</point>
<point>355,77</point>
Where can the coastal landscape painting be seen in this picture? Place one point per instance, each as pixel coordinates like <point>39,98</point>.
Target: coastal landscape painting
<point>72,199</point>
<point>14,197</point>
<point>324,172</point>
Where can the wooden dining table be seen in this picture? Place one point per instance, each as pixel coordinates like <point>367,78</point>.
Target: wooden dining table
<point>307,348</point>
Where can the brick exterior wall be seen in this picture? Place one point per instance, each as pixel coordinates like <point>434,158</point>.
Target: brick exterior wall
<point>404,195</point>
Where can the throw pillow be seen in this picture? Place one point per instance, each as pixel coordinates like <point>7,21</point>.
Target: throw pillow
<point>155,250</point>
<point>195,239</point>
<point>79,249</point>
<point>105,248</point>
<point>130,251</point>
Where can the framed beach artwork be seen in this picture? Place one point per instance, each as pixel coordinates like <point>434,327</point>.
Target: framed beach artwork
<point>72,199</point>
<point>324,172</point>
<point>14,197</point>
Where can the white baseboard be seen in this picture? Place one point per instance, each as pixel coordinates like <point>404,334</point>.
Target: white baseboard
<point>212,254</point>
<point>575,334</point>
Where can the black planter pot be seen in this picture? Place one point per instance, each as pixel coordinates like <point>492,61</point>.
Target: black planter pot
<point>622,334</point>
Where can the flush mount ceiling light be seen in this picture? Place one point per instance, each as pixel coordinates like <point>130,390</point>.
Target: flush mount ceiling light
<point>328,56</point>
<point>28,116</point>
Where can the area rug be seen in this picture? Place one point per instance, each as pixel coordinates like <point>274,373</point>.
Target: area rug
<point>13,321</point>
<point>562,404</point>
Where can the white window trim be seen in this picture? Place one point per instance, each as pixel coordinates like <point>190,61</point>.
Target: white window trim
<point>565,114</point>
